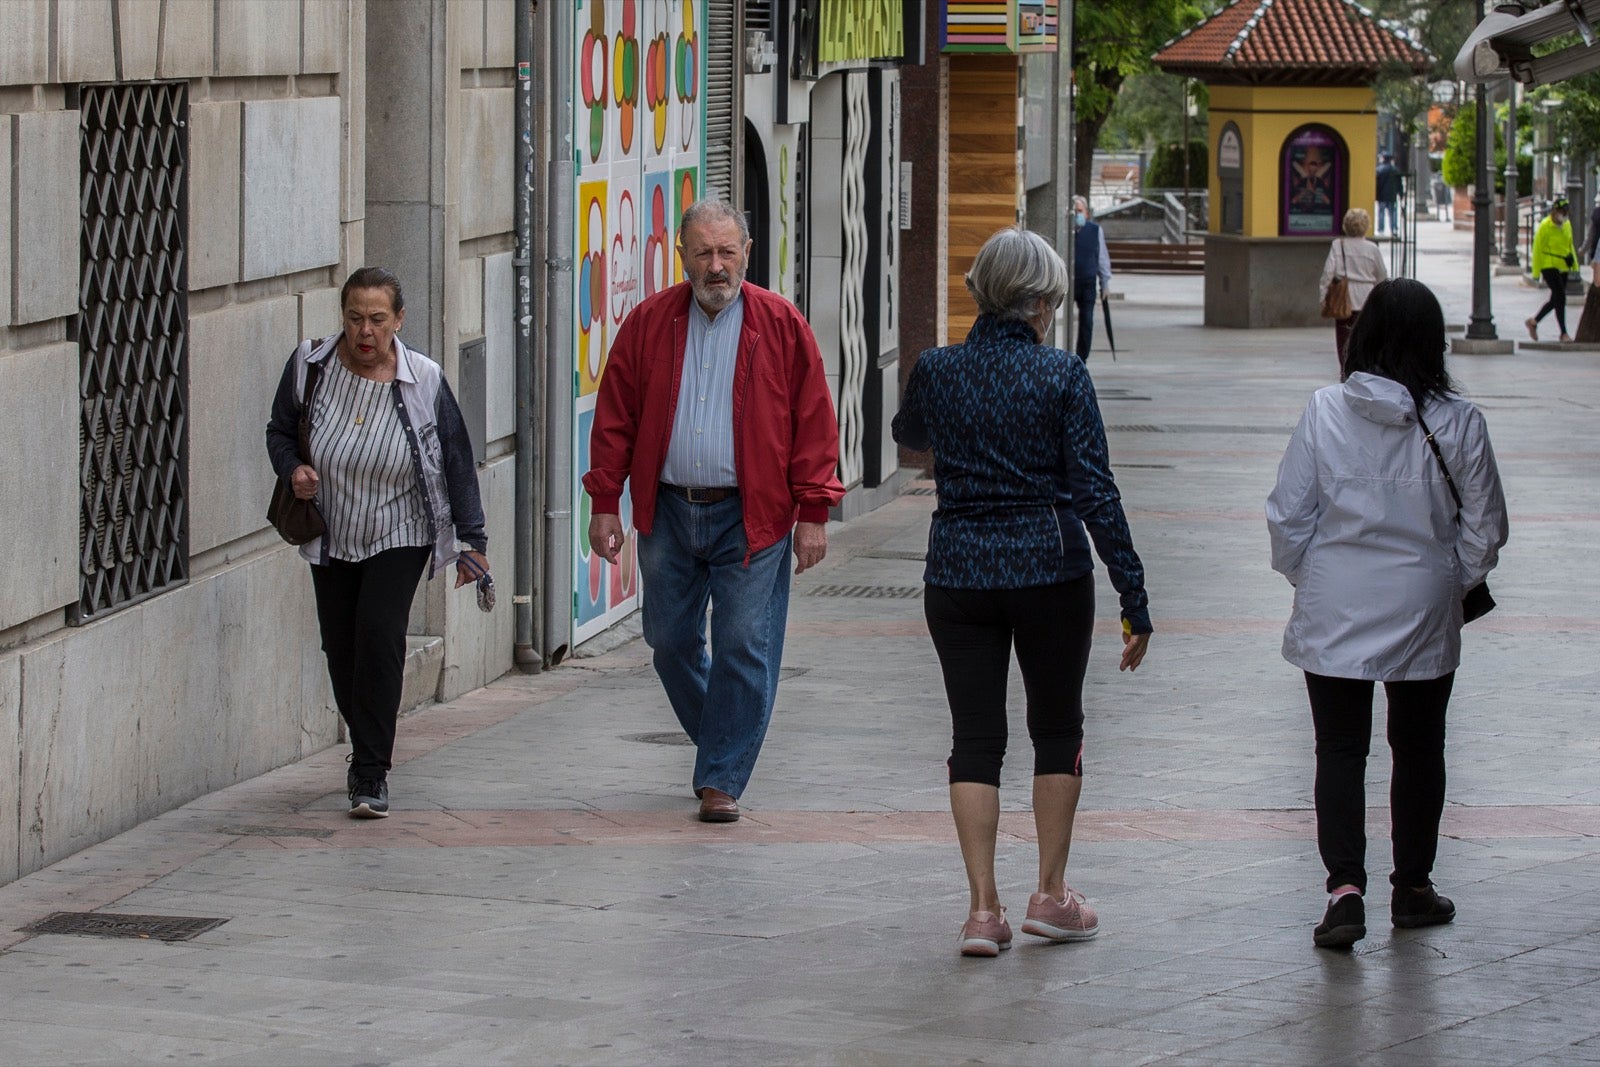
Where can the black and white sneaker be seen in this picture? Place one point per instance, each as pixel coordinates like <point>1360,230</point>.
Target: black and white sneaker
<point>369,798</point>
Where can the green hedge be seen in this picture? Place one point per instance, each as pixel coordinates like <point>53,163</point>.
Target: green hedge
<point>1166,166</point>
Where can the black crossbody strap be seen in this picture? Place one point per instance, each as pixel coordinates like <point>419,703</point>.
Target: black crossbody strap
<point>1438,455</point>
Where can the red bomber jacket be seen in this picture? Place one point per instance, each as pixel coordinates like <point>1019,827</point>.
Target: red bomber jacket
<point>785,434</point>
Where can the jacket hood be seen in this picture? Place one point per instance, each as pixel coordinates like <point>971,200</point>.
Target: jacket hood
<point>1378,399</point>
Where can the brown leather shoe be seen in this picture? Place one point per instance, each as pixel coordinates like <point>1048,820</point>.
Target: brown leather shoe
<point>717,806</point>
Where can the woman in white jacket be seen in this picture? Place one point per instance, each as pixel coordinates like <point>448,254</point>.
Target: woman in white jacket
<point>1359,262</point>
<point>1365,527</point>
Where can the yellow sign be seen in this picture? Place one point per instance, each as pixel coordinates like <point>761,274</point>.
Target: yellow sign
<point>860,29</point>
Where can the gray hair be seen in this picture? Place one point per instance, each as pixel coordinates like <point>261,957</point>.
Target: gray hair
<point>1016,269</point>
<point>713,207</point>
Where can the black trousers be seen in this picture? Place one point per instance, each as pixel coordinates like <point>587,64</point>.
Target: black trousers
<point>363,609</point>
<point>1083,299</point>
<point>973,631</point>
<point>1556,280</point>
<point>1341,708</point>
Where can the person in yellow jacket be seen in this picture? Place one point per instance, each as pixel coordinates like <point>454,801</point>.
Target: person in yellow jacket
<point>1553,256</point>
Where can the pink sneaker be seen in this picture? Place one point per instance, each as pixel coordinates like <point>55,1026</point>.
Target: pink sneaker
<point>985,934</point>
<point>1069,919</point>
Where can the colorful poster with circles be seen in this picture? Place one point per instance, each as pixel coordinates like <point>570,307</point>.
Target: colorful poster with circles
<point>639,154</point>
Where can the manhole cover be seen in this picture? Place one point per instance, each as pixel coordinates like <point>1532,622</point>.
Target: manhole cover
<point>109,924</point>
<point>895,553</point>
<point>1143,466</point>
<point>274,831</point>
<point>666,737</point>
<point>875,592</point>
<point>921,490</point>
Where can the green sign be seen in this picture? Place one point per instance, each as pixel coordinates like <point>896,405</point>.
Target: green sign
<point>860,29</point>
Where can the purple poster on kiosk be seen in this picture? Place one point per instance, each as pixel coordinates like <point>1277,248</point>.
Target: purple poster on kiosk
<point>1313,184</point>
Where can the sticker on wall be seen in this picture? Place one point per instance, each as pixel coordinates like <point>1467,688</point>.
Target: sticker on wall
<point>589,287</point>
<point>625,77</point>
<point>658,241</point>
<point>592,73</point>
<point>639,158</point>
<point>624,258</point>
<point>686,79</point>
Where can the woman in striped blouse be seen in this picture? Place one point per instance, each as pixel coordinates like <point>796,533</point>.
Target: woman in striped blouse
<point>392,471</point>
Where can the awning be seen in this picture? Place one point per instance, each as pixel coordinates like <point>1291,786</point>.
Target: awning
<point>1502,45</point>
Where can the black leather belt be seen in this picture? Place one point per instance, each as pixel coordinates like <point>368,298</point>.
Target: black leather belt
<point>696,495</point>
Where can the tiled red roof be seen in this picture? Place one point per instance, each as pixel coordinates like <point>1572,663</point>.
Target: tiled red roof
<point>1308,42</point>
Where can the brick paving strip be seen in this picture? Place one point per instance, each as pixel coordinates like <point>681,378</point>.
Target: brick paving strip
<point>283,810</point>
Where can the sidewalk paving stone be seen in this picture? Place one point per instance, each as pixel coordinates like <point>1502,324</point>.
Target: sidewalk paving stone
<point>543,894</point>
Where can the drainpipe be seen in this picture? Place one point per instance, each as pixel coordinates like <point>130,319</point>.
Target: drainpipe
<point>558,565</point>
<point>525,650</point>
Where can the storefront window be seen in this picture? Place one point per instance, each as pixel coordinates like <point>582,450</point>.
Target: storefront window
<point>1313,184</point>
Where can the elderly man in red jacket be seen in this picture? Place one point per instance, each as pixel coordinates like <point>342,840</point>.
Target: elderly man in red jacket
<point>714,405</point>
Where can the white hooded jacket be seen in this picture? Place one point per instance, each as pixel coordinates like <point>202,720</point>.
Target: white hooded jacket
<point>1364,527</point>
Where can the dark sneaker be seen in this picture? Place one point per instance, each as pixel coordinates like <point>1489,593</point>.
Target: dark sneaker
<point>1344,924</point>
<point>369,799</point>
<point>1411,908</point>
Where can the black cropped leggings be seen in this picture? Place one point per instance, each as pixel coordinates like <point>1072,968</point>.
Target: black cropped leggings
<point>973,632</point>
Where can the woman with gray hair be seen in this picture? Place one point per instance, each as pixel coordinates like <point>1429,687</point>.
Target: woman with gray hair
<point>1359,262</point>
<point>1021,467</point>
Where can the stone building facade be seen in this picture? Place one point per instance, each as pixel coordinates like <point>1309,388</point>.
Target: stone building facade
<point>184,185</point>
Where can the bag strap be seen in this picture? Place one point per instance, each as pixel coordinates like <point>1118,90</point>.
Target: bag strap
<point>1438,455</point>
<point>313,376</point>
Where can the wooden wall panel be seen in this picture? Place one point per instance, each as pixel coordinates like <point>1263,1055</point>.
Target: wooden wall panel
<point>985,190</point>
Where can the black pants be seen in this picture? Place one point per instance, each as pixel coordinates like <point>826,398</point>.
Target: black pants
<point>363,609</point>
<point>1556,279</point>
<point>1083,299</point>
<point>973,631</point>
<point>1341,708</point>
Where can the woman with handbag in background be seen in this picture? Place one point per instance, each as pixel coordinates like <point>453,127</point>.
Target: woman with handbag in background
<point>369,431</point>
<point>1354,265</point>
<point>1382,537</point>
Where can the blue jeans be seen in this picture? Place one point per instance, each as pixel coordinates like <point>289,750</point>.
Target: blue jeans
<point>1387,209</point>
<point>694,555</point>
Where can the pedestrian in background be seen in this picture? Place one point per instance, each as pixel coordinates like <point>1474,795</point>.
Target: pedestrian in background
<point>1366,527</point>
<point>1441,199</point>
<point>1591,244</point>
<point>1390,183</point>
<point>1360,263</point>
<point>1553,256</point>
<point>714,409</point>
<point>1020,467</point>
<point>1091,265</point>
<point>392,472</point>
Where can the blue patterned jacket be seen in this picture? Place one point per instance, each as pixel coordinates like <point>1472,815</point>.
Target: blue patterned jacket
<point>1021,466</point>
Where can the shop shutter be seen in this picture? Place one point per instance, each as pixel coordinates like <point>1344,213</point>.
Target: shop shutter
<point>724,106</point>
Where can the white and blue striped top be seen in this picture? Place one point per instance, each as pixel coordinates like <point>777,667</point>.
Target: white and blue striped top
<point>369,494</point>
<point>700,451</point>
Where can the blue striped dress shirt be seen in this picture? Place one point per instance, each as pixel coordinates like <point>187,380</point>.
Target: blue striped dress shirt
<point>700,451</point>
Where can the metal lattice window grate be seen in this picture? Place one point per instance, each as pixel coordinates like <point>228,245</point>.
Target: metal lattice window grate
<point>132,331</point>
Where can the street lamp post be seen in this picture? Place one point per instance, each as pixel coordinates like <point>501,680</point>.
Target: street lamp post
<point>1508,251</point>
<point>1481,325</point>
<point>1575,211</point>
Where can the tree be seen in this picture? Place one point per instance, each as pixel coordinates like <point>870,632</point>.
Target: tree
<point>1110,43</point>
<point>1459,168</point>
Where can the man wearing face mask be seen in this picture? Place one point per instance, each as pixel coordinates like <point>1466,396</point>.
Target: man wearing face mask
<point>714,408</point>
<point>1091,271</point>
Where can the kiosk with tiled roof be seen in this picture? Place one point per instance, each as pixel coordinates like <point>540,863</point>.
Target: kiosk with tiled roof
<point>1294,142</point>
